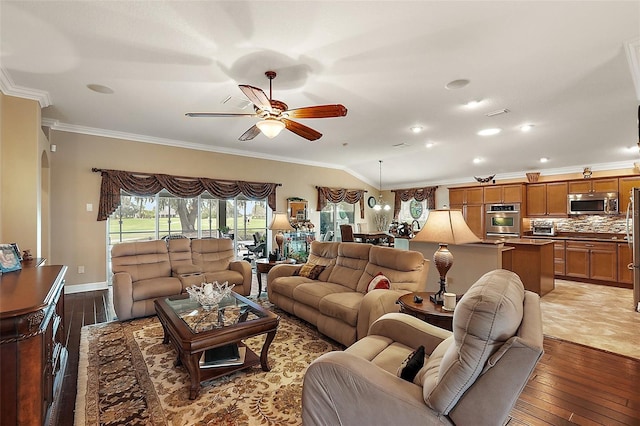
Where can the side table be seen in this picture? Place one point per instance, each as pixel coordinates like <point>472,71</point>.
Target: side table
<point>426,310</point>
<point>263,266</point>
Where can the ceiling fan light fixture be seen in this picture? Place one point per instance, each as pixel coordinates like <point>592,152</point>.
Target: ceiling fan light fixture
<point>270,127</point>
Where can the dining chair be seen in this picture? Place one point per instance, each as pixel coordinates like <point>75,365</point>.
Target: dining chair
<point>346,233</point>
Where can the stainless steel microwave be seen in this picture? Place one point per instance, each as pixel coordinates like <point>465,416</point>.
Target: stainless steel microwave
<point>593,203</point>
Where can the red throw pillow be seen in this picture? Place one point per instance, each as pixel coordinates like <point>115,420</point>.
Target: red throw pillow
<point>379,282</point>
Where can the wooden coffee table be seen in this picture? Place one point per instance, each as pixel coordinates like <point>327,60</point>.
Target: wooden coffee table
<point>192,330</point>
<point>426,310</point>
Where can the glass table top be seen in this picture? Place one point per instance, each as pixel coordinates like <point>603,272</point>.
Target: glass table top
<point>229,311</point>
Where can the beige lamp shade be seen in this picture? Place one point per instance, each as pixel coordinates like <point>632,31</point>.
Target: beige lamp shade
<point>280,222</point>
<point>446,227</point>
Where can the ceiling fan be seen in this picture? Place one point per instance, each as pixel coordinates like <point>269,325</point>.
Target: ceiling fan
<point>276,114</point>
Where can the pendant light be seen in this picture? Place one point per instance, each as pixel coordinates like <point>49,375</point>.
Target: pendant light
<point>381,205</point>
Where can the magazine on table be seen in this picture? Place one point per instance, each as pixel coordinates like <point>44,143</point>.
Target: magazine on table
<point>223,356</point>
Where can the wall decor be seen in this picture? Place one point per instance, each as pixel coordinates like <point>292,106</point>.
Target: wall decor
<point>484,180</point>
<point>9,260</point>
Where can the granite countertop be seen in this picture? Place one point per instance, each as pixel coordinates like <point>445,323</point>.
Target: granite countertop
<point>521,241</point>
<point>580,236</point>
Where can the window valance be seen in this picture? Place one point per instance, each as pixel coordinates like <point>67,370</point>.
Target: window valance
<point>420,194</point>
<point>146,184</point>
<point>337,195</point>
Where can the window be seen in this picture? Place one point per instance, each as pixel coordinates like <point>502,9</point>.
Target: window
<point>334,215</point>
<point>154,217</point>
<point>413,210</point>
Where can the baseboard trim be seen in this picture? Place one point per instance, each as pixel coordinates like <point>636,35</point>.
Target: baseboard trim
<point>79,288</point>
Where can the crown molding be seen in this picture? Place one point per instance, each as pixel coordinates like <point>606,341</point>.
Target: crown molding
<point>9,88</point>
<point>633,57</point>
<point>93,131</point>
<point>629,164</point>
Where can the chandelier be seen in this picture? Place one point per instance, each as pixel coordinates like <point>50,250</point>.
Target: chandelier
<point>380,204</point>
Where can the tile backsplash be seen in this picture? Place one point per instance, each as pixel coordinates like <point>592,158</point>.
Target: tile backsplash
<point>591,224</point>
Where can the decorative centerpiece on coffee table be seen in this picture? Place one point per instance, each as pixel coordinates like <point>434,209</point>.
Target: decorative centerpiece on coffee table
<point>209,294</point>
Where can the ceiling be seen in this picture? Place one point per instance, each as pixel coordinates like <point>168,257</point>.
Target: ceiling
<point>567,68</point>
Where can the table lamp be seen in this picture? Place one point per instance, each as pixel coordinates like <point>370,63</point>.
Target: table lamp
<point>445,227</point>
<point>280,222</point>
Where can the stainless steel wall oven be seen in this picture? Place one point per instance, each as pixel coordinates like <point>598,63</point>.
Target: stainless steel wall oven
<point>502,220</point>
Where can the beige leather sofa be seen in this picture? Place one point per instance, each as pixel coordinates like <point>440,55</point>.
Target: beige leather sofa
<point>144,271</point>
<point>472,376</point>
<point>337,302</point>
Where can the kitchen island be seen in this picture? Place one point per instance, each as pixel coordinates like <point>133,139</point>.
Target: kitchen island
<point>532,260</point>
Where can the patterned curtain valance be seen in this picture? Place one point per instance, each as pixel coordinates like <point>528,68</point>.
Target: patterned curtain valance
<point>336,195</point>
<point>420,194</point>
<point>146,184</point>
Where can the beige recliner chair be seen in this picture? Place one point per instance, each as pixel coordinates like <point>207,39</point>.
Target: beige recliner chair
<point>472,376</point>
<point>141,273</point>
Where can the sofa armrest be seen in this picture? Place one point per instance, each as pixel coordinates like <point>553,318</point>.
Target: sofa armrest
<point>123,295</point>
<point>185,269</point>
<point>281,270</point>
<point>409,331</point>
<point>342,388</point>
<point>244,268</point>
<point>375,304</point>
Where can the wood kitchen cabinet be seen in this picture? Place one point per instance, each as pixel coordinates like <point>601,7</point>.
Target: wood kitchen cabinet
<point>547,199</point>
<point>499,194</point>
<point>470,201</point>
<point>593,185</point>
<point>625,257</point>
<point>591,260</point>
<point>624,191</point>
<point>461,196</point>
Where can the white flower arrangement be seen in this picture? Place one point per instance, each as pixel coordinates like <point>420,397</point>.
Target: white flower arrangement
<point>209,294</point>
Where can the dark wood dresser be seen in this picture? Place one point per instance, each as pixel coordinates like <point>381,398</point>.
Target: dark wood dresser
<point>33,355</point>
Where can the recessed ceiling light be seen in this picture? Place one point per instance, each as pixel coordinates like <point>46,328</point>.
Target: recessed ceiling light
<point>99,88</point>
<point>544,159</point>
<point>429,144</point>
<point>477,160</point>
<point>489,132</point>
<point>473,104</point>
<point>526,127</point>
<point>416,129</point>
<point>457,84</point>
<point>633,149</point>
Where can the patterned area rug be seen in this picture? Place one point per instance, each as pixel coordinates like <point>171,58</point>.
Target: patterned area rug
<point>127,376</point>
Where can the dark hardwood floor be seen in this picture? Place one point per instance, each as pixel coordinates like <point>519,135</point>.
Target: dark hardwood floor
<point>572,384</point>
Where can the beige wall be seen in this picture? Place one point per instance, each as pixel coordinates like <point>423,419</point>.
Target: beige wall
<point>22,144</point>
<point>77,238</point>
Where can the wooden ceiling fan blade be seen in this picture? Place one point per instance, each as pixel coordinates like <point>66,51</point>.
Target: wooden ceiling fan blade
<point>219,114</point>
<point>302,130</point>
<point>250,134</point>
<point>318,111</point>
<point>257,96</point>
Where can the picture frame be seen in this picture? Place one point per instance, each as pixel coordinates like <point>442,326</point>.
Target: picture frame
<point>9,260</point>
<point>18,252</point>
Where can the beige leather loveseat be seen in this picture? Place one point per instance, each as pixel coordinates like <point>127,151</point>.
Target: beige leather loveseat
<point>144,271</point>
<point>472,376</point>
<point>337,302</point>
